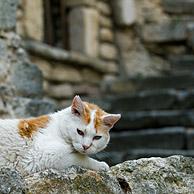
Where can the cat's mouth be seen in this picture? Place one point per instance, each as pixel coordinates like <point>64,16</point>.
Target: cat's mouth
<point>84,152</point>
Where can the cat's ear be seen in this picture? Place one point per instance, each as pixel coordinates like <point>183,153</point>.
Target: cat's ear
<point>110,119</point>
<point>77,106</point>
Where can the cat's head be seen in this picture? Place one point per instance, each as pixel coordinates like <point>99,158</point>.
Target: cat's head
<point>90,126</point>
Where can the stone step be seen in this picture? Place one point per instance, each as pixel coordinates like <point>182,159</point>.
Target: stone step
<point>162,138</point>
<point>170,31</point>
<point>180,81</point>
<point>178,6</point>
<point>181,63</point>
<point>155,119</point>
<point>149,100</point>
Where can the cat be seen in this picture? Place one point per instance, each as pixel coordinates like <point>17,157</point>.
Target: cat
<point>57,140</point>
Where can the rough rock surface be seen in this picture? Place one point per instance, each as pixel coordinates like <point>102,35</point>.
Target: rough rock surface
<point>156,175</point>
<point>174,174</point>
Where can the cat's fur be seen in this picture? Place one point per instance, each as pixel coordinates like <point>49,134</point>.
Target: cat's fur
<point>57,140</point>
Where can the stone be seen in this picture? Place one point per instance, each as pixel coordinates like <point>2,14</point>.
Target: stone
<point>190,40</point>
<point>8,14</point>
<point>104,8</point>
<point>84,26</point>
<point>173,174</point>
<point>108,51</point>
<point>105,22</point>
<point>178,6</point>
<point>2,107</point>
<point>11,182</point>
<point>167,49</point>
<point>112,67</point>
<point>33,28</point>
<point>155,119</point>
<point>156,175</point>
<point>138,62</point>
<point>145,100</point>
<point>125,39</point>
<point>190,139</point>
<point>3,50</point>
<point>44,65</point>
<point>27,79</point>
<point>86,90</point>
<point>75,3</point>
<point>150,12</point>
<point>181,63</point>
<point>3,72</point>
<point>165,32</point>
<point>25,107</point>
<point>64,57</point>
<point>164,138</point>
<point>90,76</point>
<point>60,91</point>
<point>124,12</point>
<point>72,180</point>
<point>165,99</point>
<point>179,81</point>
<point>65,73</point>
<point>106,35</point>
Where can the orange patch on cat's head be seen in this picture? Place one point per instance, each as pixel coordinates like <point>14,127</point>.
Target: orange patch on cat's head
<point>98,122</point>
<point>86,116</point>
<point>27,127</point>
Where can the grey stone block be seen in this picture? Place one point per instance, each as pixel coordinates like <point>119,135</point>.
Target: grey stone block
<point>155,119</point>
<point>190,139</point>
<point>40,107</point>
<point>152,100</point>
<point>165,32</point>
<point>178,6</point>
<point>8,14</point>
<point>182,81</point>
<point>181,63</point>
<point>190,39</point>
<point>27,79</point>
<point>83,29</point>
<point>164,138</point>
<point>124,11</point>
<point>11,182</point>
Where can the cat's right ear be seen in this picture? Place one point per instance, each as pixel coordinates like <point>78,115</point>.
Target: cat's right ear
<point>77,106</point>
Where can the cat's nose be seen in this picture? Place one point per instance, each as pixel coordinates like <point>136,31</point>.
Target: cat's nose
<point>85,147</point>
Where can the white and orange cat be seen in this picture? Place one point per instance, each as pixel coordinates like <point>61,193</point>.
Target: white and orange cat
<point>57,140</point>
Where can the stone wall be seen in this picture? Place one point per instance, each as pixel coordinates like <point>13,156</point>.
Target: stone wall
<point>30,21</point>
<point>91,36</point>
<point>130,38</point>
<point>21,88</point>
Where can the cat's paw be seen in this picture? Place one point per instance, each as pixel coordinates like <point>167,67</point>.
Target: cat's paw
<point>103,166</point>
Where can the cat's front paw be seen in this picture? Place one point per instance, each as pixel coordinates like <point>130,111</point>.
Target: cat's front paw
<point>103,166</point>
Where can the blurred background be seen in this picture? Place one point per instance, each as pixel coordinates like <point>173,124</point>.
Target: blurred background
<point>134,57</point>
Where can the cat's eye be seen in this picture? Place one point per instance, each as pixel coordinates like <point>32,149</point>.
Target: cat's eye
<point>80,132</point>
<point>97,137</point>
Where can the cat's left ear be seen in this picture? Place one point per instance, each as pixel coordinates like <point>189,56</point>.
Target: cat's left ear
<point>110,119</point>
<point>77,106</point>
